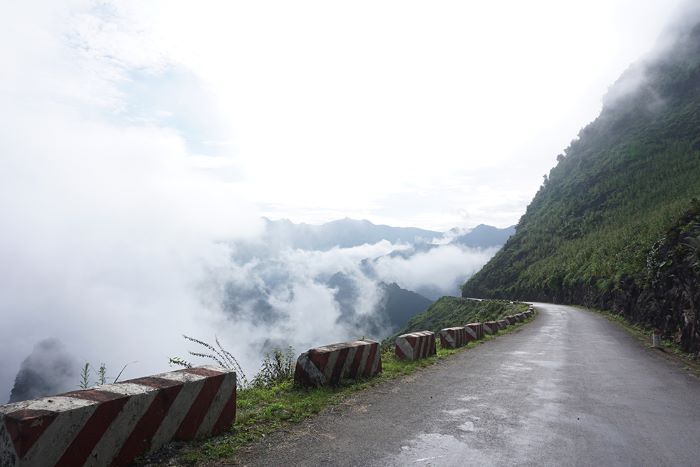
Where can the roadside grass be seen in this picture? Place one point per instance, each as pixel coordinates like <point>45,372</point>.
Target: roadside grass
<point>261,411</point>
<point>642,333</point>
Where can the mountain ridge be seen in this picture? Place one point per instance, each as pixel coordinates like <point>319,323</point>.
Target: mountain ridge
<point>614,223</point>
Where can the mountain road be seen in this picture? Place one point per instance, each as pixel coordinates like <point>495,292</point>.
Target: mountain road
<point>568,389</point>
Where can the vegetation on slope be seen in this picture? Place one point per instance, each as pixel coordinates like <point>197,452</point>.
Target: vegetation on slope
<point>614,223</point>
<point>455,311</point>
<point>273,402</point>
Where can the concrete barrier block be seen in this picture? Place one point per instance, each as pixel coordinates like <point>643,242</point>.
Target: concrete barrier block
<point>511,320</point>
<point>115,423</point>
<point>502,323</point>
<point>491,327</point>
<point>415,345</point>
<point>452,338</point>
<point>328,365</point>
<point>474,331</point>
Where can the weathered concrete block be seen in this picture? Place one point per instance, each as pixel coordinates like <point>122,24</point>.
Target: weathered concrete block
<point>502,323</point>
<point>475,330</point>
<point>491,327</point>
<point>329,364</point>
<point>115,423</point>
<point>511,320</point>
<point>452,338</point>
<point>415,345</point>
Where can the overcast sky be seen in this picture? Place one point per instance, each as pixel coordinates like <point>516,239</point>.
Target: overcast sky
<point>430,114</point>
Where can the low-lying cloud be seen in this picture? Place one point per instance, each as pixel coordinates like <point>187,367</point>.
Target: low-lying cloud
<point>436,272</point>
<point>114,243</point>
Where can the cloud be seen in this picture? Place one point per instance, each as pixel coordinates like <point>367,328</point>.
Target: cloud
<point>107,228</point>
<point>436,272</point>
<point>48,370</point>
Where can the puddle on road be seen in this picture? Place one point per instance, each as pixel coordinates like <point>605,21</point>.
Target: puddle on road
<point>516,367</point>
<point>467,427</point>
<point>457,412</point>
<point>431,449</point>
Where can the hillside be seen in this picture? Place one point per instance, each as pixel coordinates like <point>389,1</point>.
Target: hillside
<point>485,236</point>
<point>615,224</point>
<point>455,311</point>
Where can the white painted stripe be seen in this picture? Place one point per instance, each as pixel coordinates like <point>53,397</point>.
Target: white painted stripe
<point>177,412</point>
<point>363,360</point>
<point>312,372</point>
<point>405,347</point>
<point>49,448</point>
<point>328,371</point>
<point>119,431</point>
<point>223,395</point>
<point>345,371</point>
<point>180,376</point>
<point>470,331</point>
<point>422,346</point>
<point>447,335</point>
<point>377,358</point>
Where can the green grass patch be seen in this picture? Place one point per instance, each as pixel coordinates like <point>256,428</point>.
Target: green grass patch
<point>261,411</point>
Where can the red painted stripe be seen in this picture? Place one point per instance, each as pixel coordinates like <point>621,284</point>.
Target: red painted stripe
<point>26,427</point>
<point>412,340</point>
<point>355,370</point>
<point>189,426</point>
<point>339,364</point>
<point>139,440</point>
<point>398,352</point>
<point>370,359</point>
<point>228,415</point>
<point>320,359</point>
<point>300,376</point>
<point>96,426</point>
<point>153,382</point>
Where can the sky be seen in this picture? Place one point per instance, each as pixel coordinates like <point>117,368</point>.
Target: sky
<point>138,137</point>
<point>406,113</point>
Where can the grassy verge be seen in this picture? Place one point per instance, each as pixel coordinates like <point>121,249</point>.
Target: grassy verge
<point>261,411</point>
<point>642,333</point>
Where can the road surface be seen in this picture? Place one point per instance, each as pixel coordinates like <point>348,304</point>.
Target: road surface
<point>570,388</point>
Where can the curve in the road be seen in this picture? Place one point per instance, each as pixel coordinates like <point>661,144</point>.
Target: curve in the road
<point>568,389</point>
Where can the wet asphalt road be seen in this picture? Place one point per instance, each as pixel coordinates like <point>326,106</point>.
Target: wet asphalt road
<point>569,388</point>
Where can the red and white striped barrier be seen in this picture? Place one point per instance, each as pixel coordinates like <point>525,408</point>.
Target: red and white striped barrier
<point>475,330</point>
<point>330,364</point>
<point>415,345</point>
<point>491,327</point>
<point>472,332</point>
<point>452,338</point>
<point>115,423</point>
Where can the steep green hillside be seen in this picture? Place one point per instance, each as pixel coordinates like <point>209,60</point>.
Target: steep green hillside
<point>614,222</point>
<point>455,311</point>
